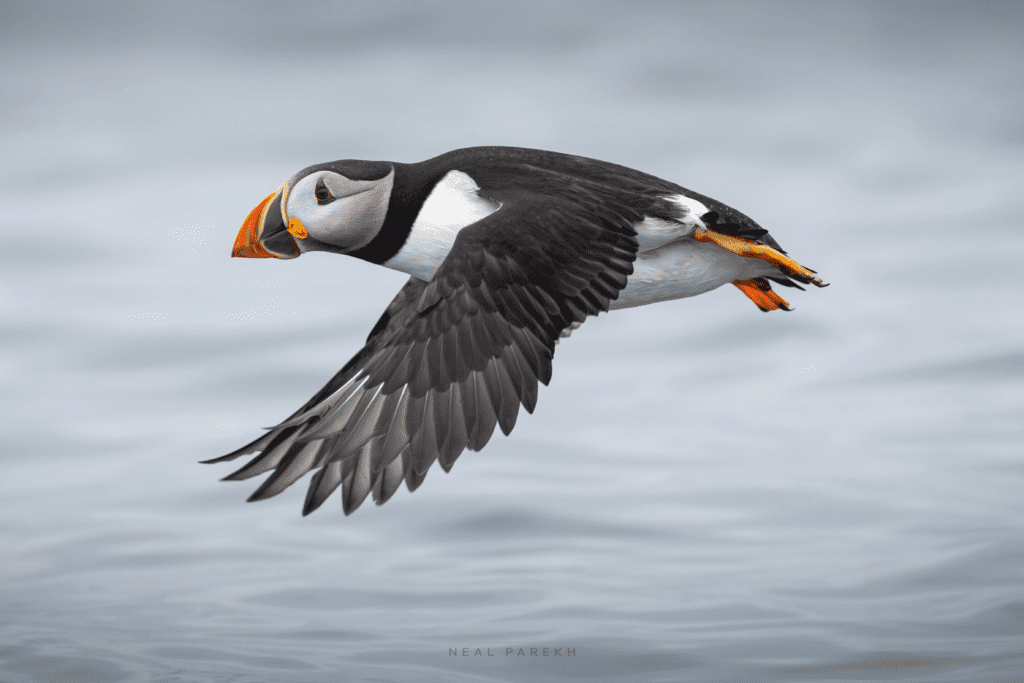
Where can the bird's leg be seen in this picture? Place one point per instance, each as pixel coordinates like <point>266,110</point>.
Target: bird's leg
<point>749,248</point>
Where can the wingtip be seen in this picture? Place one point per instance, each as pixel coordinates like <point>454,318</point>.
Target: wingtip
<point>223,458</point>
<point>311,505</point>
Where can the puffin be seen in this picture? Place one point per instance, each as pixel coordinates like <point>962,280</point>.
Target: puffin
<point>508,250</point>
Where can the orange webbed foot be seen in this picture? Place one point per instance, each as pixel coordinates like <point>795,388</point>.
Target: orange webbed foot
<point>760,292</point>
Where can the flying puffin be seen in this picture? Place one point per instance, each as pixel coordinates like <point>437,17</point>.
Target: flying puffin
<point>508,250</point>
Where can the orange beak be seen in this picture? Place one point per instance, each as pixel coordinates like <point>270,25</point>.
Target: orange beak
<point>247,243</point>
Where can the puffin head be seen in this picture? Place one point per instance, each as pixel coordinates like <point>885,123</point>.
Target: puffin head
<point>338,206</point>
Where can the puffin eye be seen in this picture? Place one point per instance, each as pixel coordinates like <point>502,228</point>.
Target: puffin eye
<point>323,195</point>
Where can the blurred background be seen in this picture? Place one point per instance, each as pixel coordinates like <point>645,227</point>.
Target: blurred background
<point>705,492</point>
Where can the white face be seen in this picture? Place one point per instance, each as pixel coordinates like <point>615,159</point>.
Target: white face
<point>338,211</point>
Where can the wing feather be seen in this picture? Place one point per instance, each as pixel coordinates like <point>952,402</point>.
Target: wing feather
<point>387,482</point>
<point>301,459</point>
<point>269,458</point>
<point>356,485</point>
<point>486,417</point>
<point>413,479</point>
<point>324,482</point>
<point>396,440</point>
<point>509,400</point>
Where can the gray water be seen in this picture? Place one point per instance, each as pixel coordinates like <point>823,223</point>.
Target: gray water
<point>705,492</point>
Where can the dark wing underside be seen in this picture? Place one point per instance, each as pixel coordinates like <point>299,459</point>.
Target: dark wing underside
<point>452,358</point>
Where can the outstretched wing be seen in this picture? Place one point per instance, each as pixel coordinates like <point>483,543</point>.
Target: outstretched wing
<point>452,357</point>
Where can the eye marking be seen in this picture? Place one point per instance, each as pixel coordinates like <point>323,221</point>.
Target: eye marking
<point>322,193</point>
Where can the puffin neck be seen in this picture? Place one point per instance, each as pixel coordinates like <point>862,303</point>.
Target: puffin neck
<point>411,187</point>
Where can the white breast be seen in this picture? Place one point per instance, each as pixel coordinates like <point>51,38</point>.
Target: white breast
<point>453,204</point>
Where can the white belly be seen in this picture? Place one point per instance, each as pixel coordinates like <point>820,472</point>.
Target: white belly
<point>671,264</point>
<point>685,268</point>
